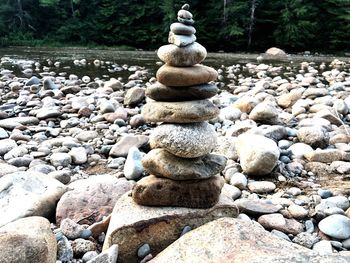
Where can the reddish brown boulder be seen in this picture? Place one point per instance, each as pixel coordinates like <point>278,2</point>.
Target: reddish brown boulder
<point>91,199</point>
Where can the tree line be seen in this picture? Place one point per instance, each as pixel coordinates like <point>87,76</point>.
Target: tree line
<point>229,25</point>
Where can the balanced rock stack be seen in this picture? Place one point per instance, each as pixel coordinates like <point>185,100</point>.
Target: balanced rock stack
<point>182,170</point>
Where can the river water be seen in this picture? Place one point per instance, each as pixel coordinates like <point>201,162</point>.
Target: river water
<point>13,58</point>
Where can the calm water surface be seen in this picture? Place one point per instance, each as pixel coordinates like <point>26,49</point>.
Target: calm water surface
<point>14,57</point>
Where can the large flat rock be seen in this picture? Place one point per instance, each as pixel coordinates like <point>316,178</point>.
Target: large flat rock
<point>133,225</point>
<point>232,240</point>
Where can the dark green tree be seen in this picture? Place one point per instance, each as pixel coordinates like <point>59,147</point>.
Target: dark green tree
<point>296,24</point>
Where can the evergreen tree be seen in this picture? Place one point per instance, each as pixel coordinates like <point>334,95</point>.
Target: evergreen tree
<point>296,24</point>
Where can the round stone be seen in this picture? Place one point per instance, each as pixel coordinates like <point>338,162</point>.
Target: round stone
<point>297,211</point>
<point>181,29</point>
<point>185,140</point>
<point>184,14</point>
<point>258,154</point>
<point>239,180</point>
<point>185,76</point>
<point>161,163</point>
<point>336,226</point>
<point>184,56</point>
<point>160,92</point>
<point>60,159</point>
<point>180,112</point>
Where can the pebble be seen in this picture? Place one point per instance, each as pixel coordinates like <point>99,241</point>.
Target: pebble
<point>280,234</point>
<point>239,180</point>
<point>144,250</point>
<point>71,229</point>
<point>306,239</point>
<point>185,230</point>
<point>133,167</point>
<point>324,193</point>
<point>64,250</point>
<point>297,211</point>
<point>261,187</point>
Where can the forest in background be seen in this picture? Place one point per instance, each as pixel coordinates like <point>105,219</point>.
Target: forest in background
<point>228,25</point>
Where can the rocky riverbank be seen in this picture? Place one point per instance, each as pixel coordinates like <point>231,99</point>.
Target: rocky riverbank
<point>71,146</point>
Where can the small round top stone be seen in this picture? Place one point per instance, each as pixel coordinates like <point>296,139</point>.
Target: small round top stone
<point>185,7</point>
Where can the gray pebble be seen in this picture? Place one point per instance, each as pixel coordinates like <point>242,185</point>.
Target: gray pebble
<point>280,234</point>
<point>185,230</point>
<point>144,250</point>
<point>64,250</point>
<point>324,193</point>
<point>309,226</point>
<point>85,234</point>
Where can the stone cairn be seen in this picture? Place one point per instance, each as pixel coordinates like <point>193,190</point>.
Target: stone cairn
<point>182,170</point>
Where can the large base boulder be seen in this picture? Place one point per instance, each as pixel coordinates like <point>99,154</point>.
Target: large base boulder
<point>232,240</point>
<point>133,225</point>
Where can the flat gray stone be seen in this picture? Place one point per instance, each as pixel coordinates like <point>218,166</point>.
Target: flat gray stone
<point>256,207</point>
<point>181,29</point>
<point>181,40</point>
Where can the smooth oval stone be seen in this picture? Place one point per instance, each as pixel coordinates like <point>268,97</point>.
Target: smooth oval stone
<point>336,226</point>
<point>154,191</point>
<point>189,140</point>
<point>180,112</point>
<point>186,76</point>
<point>182,57</point>
<point>181,29</point>
<point>184,14</point>
<point>160,92</point>
<point>181,40</point>
<point>161,163</point>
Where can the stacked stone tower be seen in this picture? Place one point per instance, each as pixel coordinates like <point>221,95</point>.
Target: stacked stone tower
<point>183,172</point>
